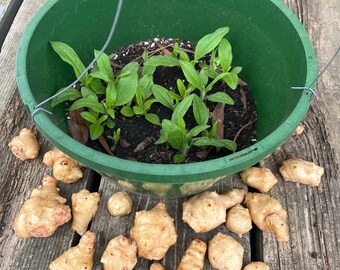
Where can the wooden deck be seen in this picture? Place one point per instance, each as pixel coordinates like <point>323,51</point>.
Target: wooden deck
<point>313,212</point>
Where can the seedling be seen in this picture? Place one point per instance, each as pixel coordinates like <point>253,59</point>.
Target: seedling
<point>115,139</point>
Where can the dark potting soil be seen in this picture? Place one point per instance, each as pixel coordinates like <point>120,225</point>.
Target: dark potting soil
<point>138,135</point>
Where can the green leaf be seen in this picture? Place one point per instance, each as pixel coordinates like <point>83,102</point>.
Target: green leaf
<point>139,98</point>
<point>182,108</point>
<point>179,158</point>
<point>68,55</point>
<point>213,130</point>
<point>148,103</point>
<point>145,84</point>
<point>221,97</point>
<point>127,86</point>
<point>97,86</point>
<point>177,139</point>
<point>209,42</point>
<point>86,92</point>
<point>96,131</point>
<point>138,111</point>
<point>191,74</point>
<point>104,66</point>
<point>99,75</point>
<point>197,130</point>
<point>111,112</point>
<point>162,138</point>
<point>111,95</point>
<point>205,141</point>
<point>219,77</point>
<point>127,111</point>
<point>69,94</point>
<point>162,60</point>
<point>88,102</point>
<point>203,76</point>
<point>148,70</point>
<point>231,79</point>
<point>175,49</point>
<point>145,55</point>
<point>181,123</point>
<point>89,117</point>
<point>225,55</point>
<point>153,119</point>
<point>201,112</point>
<point>174,96</point>
<point>211,73</point>
<point>236,70</point>
<point>183,55</point>
<point>181,88</point>
<point>102,119</point>
<point>110,123</point>
<point>161,95</point>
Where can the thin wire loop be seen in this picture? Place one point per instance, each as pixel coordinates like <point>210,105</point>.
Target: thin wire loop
<point>309,89</point>
<point>38,108</point>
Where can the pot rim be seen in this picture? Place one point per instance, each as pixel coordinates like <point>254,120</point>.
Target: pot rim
<point>165,173</point>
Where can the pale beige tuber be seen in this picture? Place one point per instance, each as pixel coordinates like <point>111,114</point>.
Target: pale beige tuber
<point>260,178</point>
<point>233,197</point>
<point>225,253</point>
<point>120,253</point>
<point>193,258</point>
<point>268,215</point>
<point>238,220</point>
<point>256,266</point>
<point>204,212</point>
<point>84,207</point>
<point>25,146</point>
<point>154,232</point>
<point>78,257</point>
<point>120,204</point>
<point>299,130</point>
<point>65,169</point>
<point>43,212</point>
<point>300,171</point>
<point>157,266</point>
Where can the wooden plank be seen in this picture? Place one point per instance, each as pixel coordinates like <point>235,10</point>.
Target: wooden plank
<point>3,8</point>
<point>17,179</point>
<point>9,48</point>
<point>313,212</point>
<point>107,227</point>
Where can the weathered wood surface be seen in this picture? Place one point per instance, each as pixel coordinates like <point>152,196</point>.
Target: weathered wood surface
<point>312,212</point>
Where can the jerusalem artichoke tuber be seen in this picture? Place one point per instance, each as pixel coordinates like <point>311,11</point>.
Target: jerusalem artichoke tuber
<point>256,266</point>
<point>260,178</point>
<point>154,232</point>
<point>84,207</point>
<point>78,257</point>
<point>225,252</point>
<point>120,253</point>
<point>43,212</point>
<point>193,258</point>
<point>120,204</point>
<point>65,169</point>
<point>25,146</point>
<point>267,213</point>
<point>298,170</point>
<point>238,220</point>
<point>204,212</point>
<point>233,197</point>
<point>157,266</point>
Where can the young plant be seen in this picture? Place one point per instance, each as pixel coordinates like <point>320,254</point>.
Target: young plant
<point>115,139</point>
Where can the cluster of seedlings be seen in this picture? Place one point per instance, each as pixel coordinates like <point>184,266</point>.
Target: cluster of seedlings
<point>153,232</point>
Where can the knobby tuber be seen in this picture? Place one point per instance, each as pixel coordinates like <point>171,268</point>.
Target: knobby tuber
<point>233,197</point>
<point>238,220</point>
<point>157,266</point>
<point>120,253</point>
<point>120,204</point>
<point>225,252</point>
<point>256,266</point>
<point>65,169</point>
<point>43,212</point>
<point>204,212</point>
<point>25,146</point>
<point>300,171</point>
<point>78,257</point>
<point>154,232</point>
<point>268,215</point>
<point>260,178</point>
<point>84,207</point>
<point>193,258</point>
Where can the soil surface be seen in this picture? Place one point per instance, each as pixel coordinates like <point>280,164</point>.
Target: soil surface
<point>138,135</point>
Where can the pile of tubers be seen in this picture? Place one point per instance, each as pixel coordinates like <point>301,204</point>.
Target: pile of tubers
<point>154,231</point>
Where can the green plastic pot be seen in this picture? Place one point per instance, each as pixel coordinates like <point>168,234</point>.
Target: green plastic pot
<point>268,42</point>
